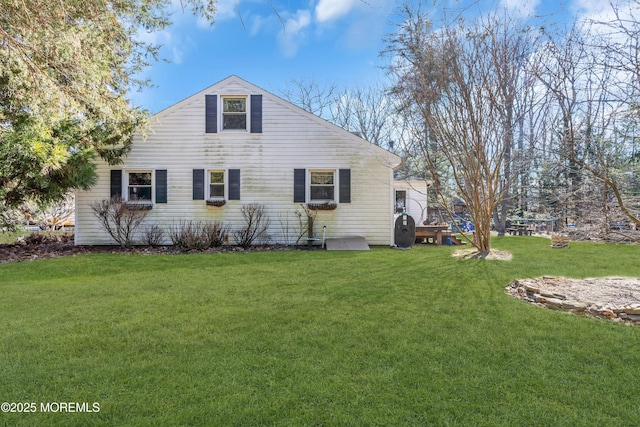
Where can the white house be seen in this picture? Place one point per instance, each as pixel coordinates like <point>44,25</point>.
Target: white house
<point>411,197</point>
<point>234,144</point>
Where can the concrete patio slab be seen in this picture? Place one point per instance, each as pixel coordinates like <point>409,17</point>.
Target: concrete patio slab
<point>349,243</point>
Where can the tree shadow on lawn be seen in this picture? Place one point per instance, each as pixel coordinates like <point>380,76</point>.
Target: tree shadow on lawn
<point>475,254</point>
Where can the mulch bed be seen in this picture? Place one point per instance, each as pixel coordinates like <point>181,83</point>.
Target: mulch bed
<point>45,246</point>
<point>40,246</point>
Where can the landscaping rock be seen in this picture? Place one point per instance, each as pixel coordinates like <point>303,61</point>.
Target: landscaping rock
<point>631,309</point>
<point>615,298</point>
<point>575,306</point>
<point>630,317</point>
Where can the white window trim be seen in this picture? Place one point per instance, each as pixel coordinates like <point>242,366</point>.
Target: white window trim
<point>406,201</point>
<point>221,113</point>
<point>336,187</point>
<point>125,184</point>
<point>208,184</point>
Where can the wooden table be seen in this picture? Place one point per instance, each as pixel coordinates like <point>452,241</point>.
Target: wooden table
<point>435,232</point>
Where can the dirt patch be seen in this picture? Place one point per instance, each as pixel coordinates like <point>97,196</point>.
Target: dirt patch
<point>474,254</point>
<point>614,298</point>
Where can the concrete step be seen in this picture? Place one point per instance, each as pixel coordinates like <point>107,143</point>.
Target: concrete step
<point>347,243</point>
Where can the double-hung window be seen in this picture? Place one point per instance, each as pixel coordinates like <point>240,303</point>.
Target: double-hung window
<point>216,185</point>
<point>139,186</point>
<point>327,187</point>
<point>322,186</point>
<point>234,113</point>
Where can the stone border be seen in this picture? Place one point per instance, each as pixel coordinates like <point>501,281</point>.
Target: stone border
<point>530,291</point>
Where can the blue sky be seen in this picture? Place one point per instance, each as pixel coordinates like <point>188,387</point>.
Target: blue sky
<point>331,41</point>
<point>271,42</point>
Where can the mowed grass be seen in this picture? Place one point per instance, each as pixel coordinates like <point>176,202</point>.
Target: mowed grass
<point>383,337</point>
<point>7,237</point>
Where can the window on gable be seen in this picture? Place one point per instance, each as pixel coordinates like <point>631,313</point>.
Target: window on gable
<point>322,185</point>
<point>216,184</point>
<point>139,186</point>
<point>234,113</point>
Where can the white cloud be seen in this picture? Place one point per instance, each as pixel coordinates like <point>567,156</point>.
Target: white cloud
<point>293,32</point>
<point>202,23</point>
<point>259,22</point>
<point>603,18</point>
<point>173,44</point>
<point>328,10</point>
<point>592,7</point>
<point>521,7</point>
<point>226,9</point>
<point>177,55</point>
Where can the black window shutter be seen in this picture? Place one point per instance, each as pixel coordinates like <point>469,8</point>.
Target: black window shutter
<point>299,185</point>
<point>345,185</point>
<point>234,184</point>
<point>198,184</point>
<point>211,113</point>
<point>256,113</point>
<point>116,183</point>
<point>161,186</point>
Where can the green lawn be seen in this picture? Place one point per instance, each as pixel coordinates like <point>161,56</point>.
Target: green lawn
<point>10,237</point>
<point>383,337</point>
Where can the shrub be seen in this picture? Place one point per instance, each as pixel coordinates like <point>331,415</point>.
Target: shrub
<point>46,238</point>
<point>10,217</point>
<point>256,225</point>
<point>198,235</point>
<point>118,220</point>
<point>153,235</point>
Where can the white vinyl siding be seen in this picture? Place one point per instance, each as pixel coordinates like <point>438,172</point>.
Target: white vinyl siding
<point>414,201</point>
<point>291,139</point>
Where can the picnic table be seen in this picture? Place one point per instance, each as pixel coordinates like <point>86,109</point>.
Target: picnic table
<point>519,230</point>
<point>435,232</point>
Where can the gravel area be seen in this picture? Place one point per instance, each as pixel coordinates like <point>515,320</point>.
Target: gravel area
<point>614,298</point>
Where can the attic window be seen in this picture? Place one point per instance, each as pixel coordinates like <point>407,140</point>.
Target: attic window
<point>234,113</point>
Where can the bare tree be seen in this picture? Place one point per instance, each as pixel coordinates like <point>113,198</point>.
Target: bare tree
<point>54,216</point>
<point>311,96</point>
<point>459,79</point>
<point>618,58</point>
<point>370,113</point>
<point>593,82</point>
